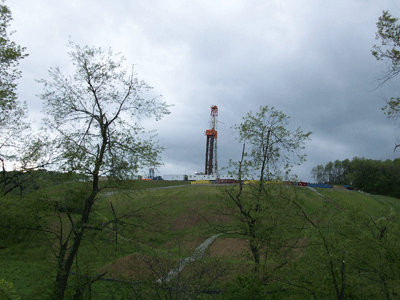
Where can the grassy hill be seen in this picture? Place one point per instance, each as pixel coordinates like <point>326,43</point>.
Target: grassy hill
<point>158,228</point>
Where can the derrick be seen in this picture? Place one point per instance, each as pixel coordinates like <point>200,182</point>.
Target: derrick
<point>211,166</point>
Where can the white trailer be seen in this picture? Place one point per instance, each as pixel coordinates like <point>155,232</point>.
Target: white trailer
<point>175,177</point>
<point>201,177</point>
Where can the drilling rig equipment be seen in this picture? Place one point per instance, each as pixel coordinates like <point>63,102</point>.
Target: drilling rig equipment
<point>211,167</point>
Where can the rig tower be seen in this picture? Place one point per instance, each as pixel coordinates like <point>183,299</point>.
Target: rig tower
<point>211,148</point>
<point>151,173</point>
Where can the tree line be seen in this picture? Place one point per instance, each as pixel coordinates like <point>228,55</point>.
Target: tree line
<point>369,175</point>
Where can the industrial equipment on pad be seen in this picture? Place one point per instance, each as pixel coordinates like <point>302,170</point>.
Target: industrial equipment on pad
<point>211,148</point>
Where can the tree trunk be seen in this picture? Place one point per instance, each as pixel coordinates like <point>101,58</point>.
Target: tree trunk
<point>65,268</point>
<point>256,256</point>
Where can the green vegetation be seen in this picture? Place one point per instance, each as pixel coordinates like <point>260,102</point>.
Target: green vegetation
<point>165,225</point>
<point>264,211</point>
<point>84,231</point>
<point>388,34</point>
<point>12,111</point>
<point>93,118</point>
<point>371,176</point>
<point>374,205</point>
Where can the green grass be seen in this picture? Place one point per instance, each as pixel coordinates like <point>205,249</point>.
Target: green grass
<point>56,191</point>
<point>181,211</point>
<point>28,269</point>
<point>309,200</point>
<point>373,205</point>
<point>168,222</point>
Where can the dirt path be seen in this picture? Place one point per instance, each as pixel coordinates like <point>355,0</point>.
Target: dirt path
<point>316,191</point>
<point>326,198</point>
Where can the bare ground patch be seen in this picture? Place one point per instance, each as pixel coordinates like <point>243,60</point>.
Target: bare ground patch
<point>185,245</point>
<point>187,221</point>
<point>230,247</point>
<point>138,266</point>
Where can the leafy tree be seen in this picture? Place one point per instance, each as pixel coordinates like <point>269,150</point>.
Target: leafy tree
<point>328,171</point>
<point>245,287</point>
<point>314,173</point>
<point>94,117</point>
<point>273,148</point>
<point>375,260</point>
<point>389,35</point>
<point>337,171</point>
<point>351,255</point>
<point>263,210</point>
<point>319,174</point>
<point>345,169</point>
<point>333,172</point>
<point>12,112</point>
<point>321,273</point>
<point>10,55</point>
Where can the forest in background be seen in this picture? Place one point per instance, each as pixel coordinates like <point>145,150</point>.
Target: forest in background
<point>369,175</point>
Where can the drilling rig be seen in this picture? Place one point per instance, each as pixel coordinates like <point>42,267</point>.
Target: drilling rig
<point>211,148</point>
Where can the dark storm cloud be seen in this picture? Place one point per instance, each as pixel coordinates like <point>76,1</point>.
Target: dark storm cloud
<point>309,59</point>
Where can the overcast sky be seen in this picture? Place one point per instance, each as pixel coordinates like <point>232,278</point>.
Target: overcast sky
<point>310,59</point>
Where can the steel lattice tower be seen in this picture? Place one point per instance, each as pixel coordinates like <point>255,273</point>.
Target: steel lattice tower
<point>211,148</point>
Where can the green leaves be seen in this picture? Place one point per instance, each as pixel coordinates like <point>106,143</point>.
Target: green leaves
<point>263,209</point>
<point>10,55</point>
<point>389,35</point>
<point>12,112</point>
<point>94,114</point>
<point>273,147</point>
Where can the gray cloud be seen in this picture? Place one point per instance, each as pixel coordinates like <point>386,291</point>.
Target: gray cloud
<point>309,59</point>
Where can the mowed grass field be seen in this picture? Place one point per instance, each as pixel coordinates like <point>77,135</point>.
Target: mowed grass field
<point>158,226</point>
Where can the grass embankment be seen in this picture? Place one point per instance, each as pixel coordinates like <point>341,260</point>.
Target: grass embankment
<point>374,205</point>
<point>57,191</point>
<point>161,225</point>
<point>158,228</point>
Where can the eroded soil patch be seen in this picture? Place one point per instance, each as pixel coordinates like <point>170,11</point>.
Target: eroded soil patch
<point>137,266</point>
<point>230,247</point>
